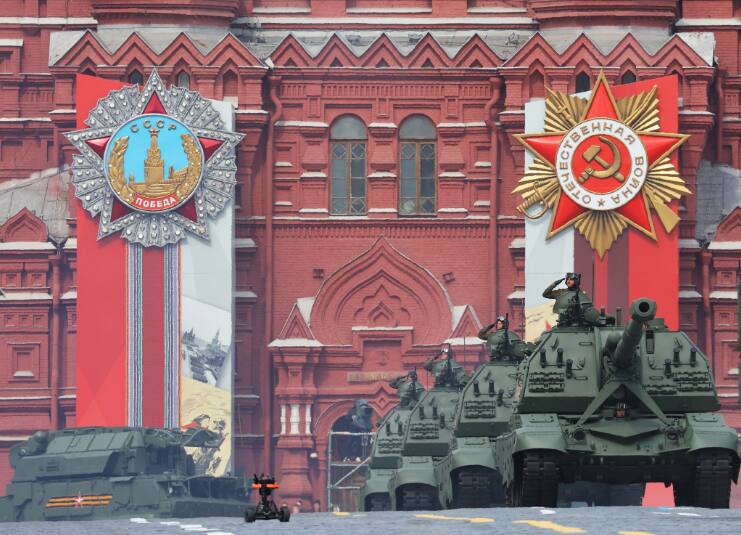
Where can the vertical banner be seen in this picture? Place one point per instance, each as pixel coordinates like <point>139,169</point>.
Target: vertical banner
<point>154,174</point>
<point>601,190</point>
<point>206,277</point>
<point>545,260</point>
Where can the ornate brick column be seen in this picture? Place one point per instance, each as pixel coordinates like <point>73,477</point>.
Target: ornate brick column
<point>295,393</point>
<point>383,194</point>
<point>451,178</point>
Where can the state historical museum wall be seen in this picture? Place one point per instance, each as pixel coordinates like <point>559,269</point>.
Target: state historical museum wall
<point>374,214</point>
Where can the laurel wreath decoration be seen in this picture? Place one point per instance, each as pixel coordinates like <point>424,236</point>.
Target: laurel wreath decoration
<point>540,187</point>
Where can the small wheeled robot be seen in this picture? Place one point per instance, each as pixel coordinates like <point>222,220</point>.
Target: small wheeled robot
<point>266,508</point>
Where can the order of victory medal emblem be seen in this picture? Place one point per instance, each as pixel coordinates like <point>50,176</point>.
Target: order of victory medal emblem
<point>155,164</point>
<point>600,165</point>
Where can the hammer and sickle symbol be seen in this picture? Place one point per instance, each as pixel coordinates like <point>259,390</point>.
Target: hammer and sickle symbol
<point>610,170</point>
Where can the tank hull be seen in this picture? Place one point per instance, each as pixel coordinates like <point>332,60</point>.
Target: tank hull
<point>414,486</point>
<point>614,451</point>
<point>374,494</point>
<point>95,499</point>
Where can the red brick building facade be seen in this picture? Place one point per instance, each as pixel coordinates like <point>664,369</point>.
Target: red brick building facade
<point>374,216</point>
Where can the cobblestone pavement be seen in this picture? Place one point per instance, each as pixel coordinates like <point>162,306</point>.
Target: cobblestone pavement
<point>533,521</point>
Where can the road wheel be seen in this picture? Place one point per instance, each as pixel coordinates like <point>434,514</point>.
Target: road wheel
<point>284,515</point>
<point>250,515</point>
<point>712,486</point>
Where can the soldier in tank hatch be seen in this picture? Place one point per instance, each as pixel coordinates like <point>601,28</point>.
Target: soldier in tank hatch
<point>408,388</point>
<point>503,344</point>
<point>446,371</point>
<point>573,305</point>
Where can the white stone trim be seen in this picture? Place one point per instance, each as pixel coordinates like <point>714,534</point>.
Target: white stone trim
<point>364,328</point>
<point>462,125</point>
<point>294,418</point>
<point>70,244</point>
<point>376,21</point>
<point>388,10</point>
<point>282,164</point>
<point>451,174</point>
<point>382,174</point>
<point>382,125</point>
<point>280,10</point>
<point>723,294</point>
<point>11,42</point>
<point>708,22</point>
<point>689,243</point>
<point>464,341</point>
<point>482,204</point>
<point>27,246</point>
<point>250,111</point>
<point>311,124</point>
<point>9,295</point>
<point>307,419</point>
<point>245,294</point>
<point>724,245</point>
<point>452,211</point>
<point>282,419</point>
<point>382,211</point>
<point>313,211</point>
<point>283,203</point>
<point>689,294</point>
<point>519,294</point>
<point>24,119</point>
<point>244,243</point>
<point>295,342</point>
<point>517,243</point>
<point>482,164</point>
<point>69,294</point>
<point>313,174</point>
<point>42,21</point>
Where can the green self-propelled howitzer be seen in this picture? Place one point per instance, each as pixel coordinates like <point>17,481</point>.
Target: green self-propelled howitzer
<point>101,472</point>
<point>621,405</point>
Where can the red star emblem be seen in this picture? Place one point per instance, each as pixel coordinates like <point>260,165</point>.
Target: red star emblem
<point>602,163</point>
<point>209,146</point>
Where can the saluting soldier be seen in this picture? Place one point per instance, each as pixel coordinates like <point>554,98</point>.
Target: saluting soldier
<point>502,343</point>
<point>573,306</point>
<point>408,388</point>
<point>447,371</point>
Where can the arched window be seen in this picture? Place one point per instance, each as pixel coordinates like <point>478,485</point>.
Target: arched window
<point>582,82</point>
<point>628,77</point>
<point>348,143</point>
<point>136,78</point>
<point>417,163</point>
<point>183,80</point>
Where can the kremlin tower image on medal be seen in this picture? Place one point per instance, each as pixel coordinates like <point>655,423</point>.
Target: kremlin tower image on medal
<point>396,262</point>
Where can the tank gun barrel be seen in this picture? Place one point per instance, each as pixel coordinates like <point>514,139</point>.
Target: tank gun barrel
<point>641,311</point>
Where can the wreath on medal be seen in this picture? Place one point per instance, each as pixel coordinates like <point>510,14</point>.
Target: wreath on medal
<point>601,164</point>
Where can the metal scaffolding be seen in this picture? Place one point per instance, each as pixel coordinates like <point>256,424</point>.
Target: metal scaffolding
<point>338,472</point>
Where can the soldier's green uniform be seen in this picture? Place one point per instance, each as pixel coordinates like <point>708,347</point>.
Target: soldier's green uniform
<point>573,306</point>
<point>503,343</point>
<point>408,388</point>
<point>446,373</point>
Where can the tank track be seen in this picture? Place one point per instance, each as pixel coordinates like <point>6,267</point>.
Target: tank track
<point>538,481</point>
<point>477,487</point>
<point>711,484</point>
<point>417,498</point>
<point>378,502</point>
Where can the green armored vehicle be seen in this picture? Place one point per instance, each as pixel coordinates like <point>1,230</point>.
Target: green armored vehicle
<point>387,441</point>
<point>413,487</point>
<point>467,475</point>
<point>94,473</point>
<point>632,404</point>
